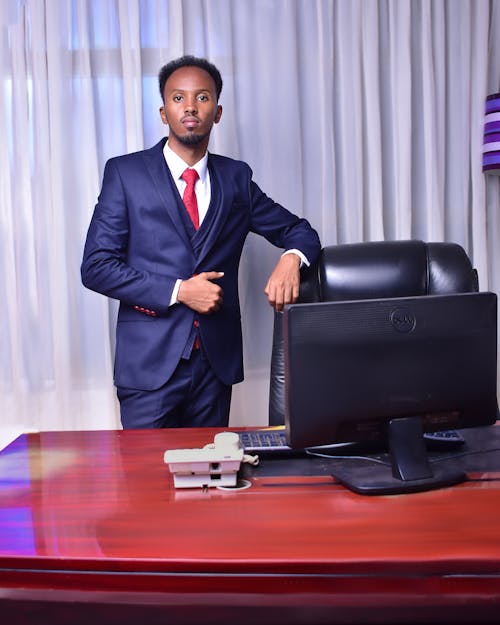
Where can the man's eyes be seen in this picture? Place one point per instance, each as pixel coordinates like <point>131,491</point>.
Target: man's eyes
<point>202,97</point>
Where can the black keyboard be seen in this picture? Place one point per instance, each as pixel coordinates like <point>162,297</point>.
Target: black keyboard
<point>446,439</point>
<point>257,441</point>
<point>274,440</point>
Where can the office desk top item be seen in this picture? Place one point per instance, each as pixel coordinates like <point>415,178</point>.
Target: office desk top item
<point>215,464</point>
<point>92,530</point>
<point>265,440</point>
<point>390,370</point>
<point>272,440</point>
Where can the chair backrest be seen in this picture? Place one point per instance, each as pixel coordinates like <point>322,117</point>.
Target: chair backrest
<point>368,271</point>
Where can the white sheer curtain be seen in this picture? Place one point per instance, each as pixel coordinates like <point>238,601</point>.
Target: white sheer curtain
<point>364,116</point>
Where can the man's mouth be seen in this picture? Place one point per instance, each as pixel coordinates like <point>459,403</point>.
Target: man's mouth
<point>190,122</point>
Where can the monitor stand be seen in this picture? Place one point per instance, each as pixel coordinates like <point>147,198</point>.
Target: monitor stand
<point>409,471</point>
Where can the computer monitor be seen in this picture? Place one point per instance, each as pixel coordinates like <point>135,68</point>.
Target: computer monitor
<point>386,371</point>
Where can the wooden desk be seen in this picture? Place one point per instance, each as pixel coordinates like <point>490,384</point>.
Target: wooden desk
<point>92,531</point>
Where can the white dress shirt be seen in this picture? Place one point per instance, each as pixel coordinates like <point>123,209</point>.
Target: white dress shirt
<point>202,187</point>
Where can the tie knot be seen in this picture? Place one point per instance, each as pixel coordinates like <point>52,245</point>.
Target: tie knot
<point>190,176</point>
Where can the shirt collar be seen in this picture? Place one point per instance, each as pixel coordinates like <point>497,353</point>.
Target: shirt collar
<point>177,165</point>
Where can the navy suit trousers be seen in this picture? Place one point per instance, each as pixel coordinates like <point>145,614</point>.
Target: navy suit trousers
<point>192,397</point>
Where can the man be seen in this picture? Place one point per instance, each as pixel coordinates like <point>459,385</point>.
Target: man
<point>173,264</point>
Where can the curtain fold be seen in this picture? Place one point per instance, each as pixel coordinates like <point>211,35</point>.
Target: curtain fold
<point>364,116</point>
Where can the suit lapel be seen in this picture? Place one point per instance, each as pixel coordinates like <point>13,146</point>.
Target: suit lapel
<point>221,202</point>
<point>158,170</point>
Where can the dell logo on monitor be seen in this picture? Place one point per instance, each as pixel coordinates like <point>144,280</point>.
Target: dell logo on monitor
<point>403,320</point>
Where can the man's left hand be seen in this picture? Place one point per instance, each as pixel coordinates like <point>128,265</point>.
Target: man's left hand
<point>283,284</point>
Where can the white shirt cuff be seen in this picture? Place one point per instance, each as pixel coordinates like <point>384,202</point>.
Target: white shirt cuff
<point>175,291</point>
<point>303,259</point>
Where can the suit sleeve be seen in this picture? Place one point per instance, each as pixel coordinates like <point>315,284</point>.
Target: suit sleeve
<point>105,268</point>
<point>281,227</point>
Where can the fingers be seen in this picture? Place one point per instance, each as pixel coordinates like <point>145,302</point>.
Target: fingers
<point>201,294</point>
<point>279,296</point>
<point>211,275</point>
<point>283,285</point>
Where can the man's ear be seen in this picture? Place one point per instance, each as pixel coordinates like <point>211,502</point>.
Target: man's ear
<point>218,114</point>
<point>163,115</point>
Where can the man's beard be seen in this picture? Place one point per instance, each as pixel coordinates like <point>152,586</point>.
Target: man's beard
<point>190,138</point>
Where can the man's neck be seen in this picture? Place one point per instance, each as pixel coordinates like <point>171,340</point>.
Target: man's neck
<point>190,154</point>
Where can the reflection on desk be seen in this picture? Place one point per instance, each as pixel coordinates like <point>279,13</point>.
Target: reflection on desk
<point>94,526</point>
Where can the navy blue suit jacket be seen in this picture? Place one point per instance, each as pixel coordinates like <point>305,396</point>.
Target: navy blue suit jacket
<point>138,246</point>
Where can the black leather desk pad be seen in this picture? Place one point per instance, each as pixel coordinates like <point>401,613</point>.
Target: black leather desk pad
<point>480,453</point>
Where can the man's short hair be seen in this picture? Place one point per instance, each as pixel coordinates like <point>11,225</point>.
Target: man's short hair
<point>189,61</point>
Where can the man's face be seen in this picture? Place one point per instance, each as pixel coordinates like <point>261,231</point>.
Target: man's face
<point>190,106</point>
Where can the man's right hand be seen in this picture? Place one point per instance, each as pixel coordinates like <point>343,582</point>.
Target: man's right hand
<point>200,293</point>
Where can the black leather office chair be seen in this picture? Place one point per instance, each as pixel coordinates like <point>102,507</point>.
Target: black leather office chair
<point>368,271</point>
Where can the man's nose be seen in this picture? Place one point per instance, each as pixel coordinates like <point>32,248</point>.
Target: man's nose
<point>191,105</point>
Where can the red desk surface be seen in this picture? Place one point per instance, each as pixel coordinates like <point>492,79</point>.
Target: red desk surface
<point>91,526</point>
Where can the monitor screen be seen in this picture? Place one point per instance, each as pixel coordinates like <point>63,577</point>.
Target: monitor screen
<point>388,370</point>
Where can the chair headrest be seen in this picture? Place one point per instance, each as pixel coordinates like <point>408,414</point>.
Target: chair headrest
<point>388,269</point>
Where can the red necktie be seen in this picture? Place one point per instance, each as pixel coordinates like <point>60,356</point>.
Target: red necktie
<point>190,176</point>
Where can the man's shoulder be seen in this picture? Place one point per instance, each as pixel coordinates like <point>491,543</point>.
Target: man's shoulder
<point>139,154</point>
<point>226,163</point>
